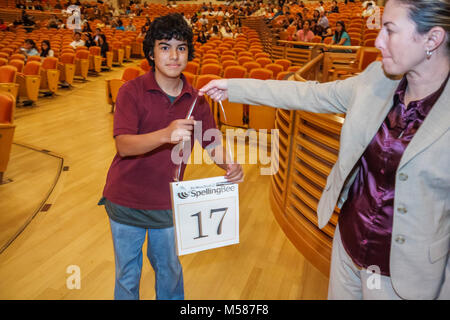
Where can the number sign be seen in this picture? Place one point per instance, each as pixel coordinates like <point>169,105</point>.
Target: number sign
<point>205,214</point>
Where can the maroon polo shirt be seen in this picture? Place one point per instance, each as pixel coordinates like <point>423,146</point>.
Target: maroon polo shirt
<point>366,218</point>
<point>142,182</point>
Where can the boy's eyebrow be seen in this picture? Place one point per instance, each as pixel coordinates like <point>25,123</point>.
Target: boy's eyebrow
<point>168,44</point>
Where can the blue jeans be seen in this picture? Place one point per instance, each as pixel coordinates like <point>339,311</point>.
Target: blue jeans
<point>128,241</point>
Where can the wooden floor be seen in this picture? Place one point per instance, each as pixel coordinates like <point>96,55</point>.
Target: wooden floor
<point>75,231</point>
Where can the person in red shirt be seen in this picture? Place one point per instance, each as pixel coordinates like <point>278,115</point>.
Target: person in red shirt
<point>150,119</point>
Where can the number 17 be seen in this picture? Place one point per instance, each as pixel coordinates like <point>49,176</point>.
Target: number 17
<point>199,221</point>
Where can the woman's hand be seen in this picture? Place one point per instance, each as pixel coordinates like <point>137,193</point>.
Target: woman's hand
<point>216,90</point>
<point>234,174</point>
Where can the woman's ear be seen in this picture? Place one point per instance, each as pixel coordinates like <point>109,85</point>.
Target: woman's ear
<point>435,37</point>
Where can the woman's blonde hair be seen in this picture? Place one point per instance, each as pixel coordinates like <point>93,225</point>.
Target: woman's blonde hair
<point>427,14</point>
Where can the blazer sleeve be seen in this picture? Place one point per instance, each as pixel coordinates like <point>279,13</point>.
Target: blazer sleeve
<point>329,97</point>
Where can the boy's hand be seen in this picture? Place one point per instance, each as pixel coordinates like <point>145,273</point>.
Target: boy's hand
<point>179,130</point>
<point>234,174</point>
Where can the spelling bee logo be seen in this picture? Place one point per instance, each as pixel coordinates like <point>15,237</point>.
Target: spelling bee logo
<point>182,193</point>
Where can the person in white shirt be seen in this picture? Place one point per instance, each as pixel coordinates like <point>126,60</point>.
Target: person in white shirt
<point>77,42</point>
<point>320,8</point>
<point>203,20</point>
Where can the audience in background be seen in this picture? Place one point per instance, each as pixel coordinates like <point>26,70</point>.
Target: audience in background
<point>46,50</point>
<point>77,41</point>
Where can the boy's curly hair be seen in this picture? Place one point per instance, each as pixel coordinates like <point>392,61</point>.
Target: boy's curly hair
<point>171,26</point>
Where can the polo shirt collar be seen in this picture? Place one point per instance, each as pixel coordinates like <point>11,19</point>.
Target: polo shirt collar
<point>150,84</point>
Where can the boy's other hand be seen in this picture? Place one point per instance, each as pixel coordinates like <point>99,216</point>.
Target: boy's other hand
<point>180,130</point>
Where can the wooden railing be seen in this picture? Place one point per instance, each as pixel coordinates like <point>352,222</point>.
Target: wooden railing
<point>308,148</point>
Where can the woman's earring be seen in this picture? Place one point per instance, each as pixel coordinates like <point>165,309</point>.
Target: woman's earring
<point>429,54</point>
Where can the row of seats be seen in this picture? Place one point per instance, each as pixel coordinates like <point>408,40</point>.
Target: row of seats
<point>7,128</point>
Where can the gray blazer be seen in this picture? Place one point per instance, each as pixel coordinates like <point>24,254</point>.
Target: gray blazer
<point>419,258</point>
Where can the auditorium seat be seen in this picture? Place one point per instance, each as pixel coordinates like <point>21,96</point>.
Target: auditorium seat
<point>229,63</point>
<point>8,75</point>
<point>95,60</point>
<point>113,85</point>
<point>19,64</point>
<point>34,58</point>
<point>144,65</point>
<point>281,75</point>
<point>251,65</point>
<point>3,61</point>
<point>275,68</point>
<point>208,61</point>
<point>263,61</point>
<point>29,81</point>
<point>201,81</point>
<point>192,67</point>
<point>17,56</point>
<point>235,112</point>
<point>190,77</point>
<point>7,127</point>
<point>227,57</point>
<point>118,54</point>
<point>245,59</point>
<point>49,75</point>
<point>82,64</point>
<point>211,68</point>
<point>66,67</point>
<point>261,117</point>
<point>262,55</point>
<point>285,63</point>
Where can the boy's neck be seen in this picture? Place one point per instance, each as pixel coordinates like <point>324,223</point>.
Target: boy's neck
<point>171,86</point>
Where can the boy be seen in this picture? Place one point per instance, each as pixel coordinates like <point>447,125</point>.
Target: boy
<point>148,122</point>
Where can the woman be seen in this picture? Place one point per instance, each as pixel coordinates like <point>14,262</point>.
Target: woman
<point>341,36</point>
<point>29,49</point>
<point>46,51</point>
<point>304,34</point>
<point>392,177</point>
<point>103,44</point>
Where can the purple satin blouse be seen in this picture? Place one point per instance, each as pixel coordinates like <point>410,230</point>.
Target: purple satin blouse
<point>366,218</point>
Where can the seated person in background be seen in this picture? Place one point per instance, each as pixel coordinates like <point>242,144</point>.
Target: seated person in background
<point>130,26</point>
<point>46,50</point>
<point>320,8</point>
<point>304,34</point>
<point>341,36</point>
<point>143,32</point>
<point>228,33</point>
<point>98,32</point>
<point>53,22</point>
<point>104,47</point>
<point>3,26</point>
<point>88,39</point>
<point>86,27</point>
<point>202,37</point>
<point>77,42</point>
<point>328,32</point>
<point>334,7</point>
<point>29,49</point>
<point>323,20</point>
<point>28,22</point>
<point>120,25</point>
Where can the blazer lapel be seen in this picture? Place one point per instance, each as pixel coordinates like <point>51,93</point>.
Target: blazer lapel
<point>435,124</point>
<point>376,116</point>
